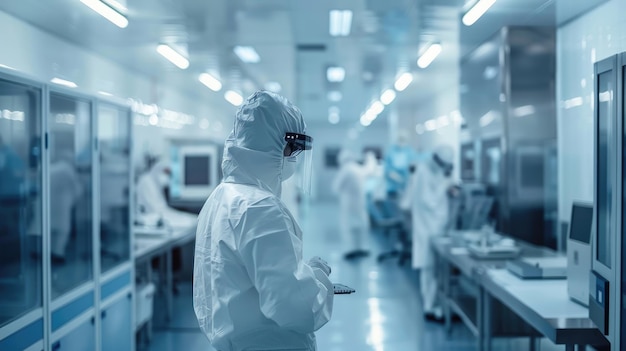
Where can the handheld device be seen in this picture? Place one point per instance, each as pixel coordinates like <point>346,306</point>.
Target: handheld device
<point>341,289</point>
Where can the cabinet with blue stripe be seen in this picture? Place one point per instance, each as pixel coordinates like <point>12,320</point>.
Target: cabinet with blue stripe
<point>65,198</point>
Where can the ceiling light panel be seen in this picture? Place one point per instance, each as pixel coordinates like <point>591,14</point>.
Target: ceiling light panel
<point>335,74</point>
<point>476,12</point>
<point>388,96</point>
<point>340,23</point>
<point>403,81</point>
<point>233,97</point>
<point>107,12</point>
<point>210,82</point>
<point>64,82</point>
<point>173,56</point>
<point>429,55</point>
<point>247,54</point>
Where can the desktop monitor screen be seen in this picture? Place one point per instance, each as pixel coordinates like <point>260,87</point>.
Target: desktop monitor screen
<point>580,227</point>
<point>197,170</point>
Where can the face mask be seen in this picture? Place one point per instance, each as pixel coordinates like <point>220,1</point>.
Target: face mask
<point>289,167</point>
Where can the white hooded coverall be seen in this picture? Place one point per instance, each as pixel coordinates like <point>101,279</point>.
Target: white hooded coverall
<point>65,190</point>
<point>251,289</point>
<point>150,198</point>
<point>349,184</point>
<point>429,213</point>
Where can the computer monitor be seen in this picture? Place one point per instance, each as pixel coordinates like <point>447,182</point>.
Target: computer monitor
<point>194,172</point>
<point>579,252</point>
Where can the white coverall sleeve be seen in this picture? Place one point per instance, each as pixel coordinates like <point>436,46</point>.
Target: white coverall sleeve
<point>291,293</point>
<point>202,286</point>
<point>409,195</point>
<point>427,194</point>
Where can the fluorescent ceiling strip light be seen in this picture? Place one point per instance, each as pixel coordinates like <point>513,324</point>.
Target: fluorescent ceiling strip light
<point>443,121</point>
<point>105,93</point>
<point>429,55</point>
<point>388,96</point>
<point>335,74</point>
<point>63,82</point>
<point>524,111</point>
<point>233,97</point>
<point>247,54</point>
<point>430,125</point>
<point>210,82</point>
<point>605,96</point>
<point>340,22</point>
<point>487,119</point>
<point>365,121</point>
<point>107,12</point>
<point>456,116</point>
<point>173,56</point>
<point>403,81</point>
<point>377,108</point>
<point>573,102</point>
<point>479,9</point>
<point>369,115</point>
<point>346,23</point>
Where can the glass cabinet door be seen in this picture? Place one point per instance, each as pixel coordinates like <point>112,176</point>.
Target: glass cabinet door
<point>114,150</point>
<point>70,174</point>
<point>20,200</point>
<point>605,148</point>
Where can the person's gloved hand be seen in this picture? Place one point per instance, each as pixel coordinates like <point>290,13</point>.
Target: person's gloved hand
<point>317,262</point>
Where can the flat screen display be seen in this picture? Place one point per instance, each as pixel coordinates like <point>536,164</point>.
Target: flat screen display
<point>580,228</point>
<point>197,170</point>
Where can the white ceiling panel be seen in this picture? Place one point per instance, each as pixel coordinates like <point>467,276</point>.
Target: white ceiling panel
<point>293,42</point>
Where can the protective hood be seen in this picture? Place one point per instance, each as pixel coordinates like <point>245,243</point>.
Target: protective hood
<point>253,152</point>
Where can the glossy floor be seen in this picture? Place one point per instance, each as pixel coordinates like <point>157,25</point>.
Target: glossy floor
<point>384,315</point>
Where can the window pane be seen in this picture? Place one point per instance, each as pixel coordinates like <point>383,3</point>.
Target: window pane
<point>71,234</point>
<point>605,191</point>
<point>114,146</point>
<point>20,200</point>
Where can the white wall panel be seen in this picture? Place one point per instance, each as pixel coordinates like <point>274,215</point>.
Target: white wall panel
<point>590,38</point>
<point>42,56</point>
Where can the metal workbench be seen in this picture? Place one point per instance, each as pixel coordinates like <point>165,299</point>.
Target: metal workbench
<point>492,302</point>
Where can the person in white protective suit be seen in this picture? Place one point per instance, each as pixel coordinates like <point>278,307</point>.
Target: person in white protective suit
<point>429,212</point>
<point>349,184</point>
<point>252,290</point>
<point>151,199</point>
<point>65,191</point>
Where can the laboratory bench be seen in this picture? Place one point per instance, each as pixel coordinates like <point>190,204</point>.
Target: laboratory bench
<point>492,302</point>
<point>158,242</point>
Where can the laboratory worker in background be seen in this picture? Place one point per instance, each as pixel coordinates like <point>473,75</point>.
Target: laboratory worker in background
<point>349,184</point>
<point>398,160</point>
<point>65,191</point>
<point>252,290</point>
<point>429,212</point>
<point>151,197</point>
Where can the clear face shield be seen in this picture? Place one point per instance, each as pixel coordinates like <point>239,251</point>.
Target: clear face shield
<point>446,167</point>
<point>296,144</point>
